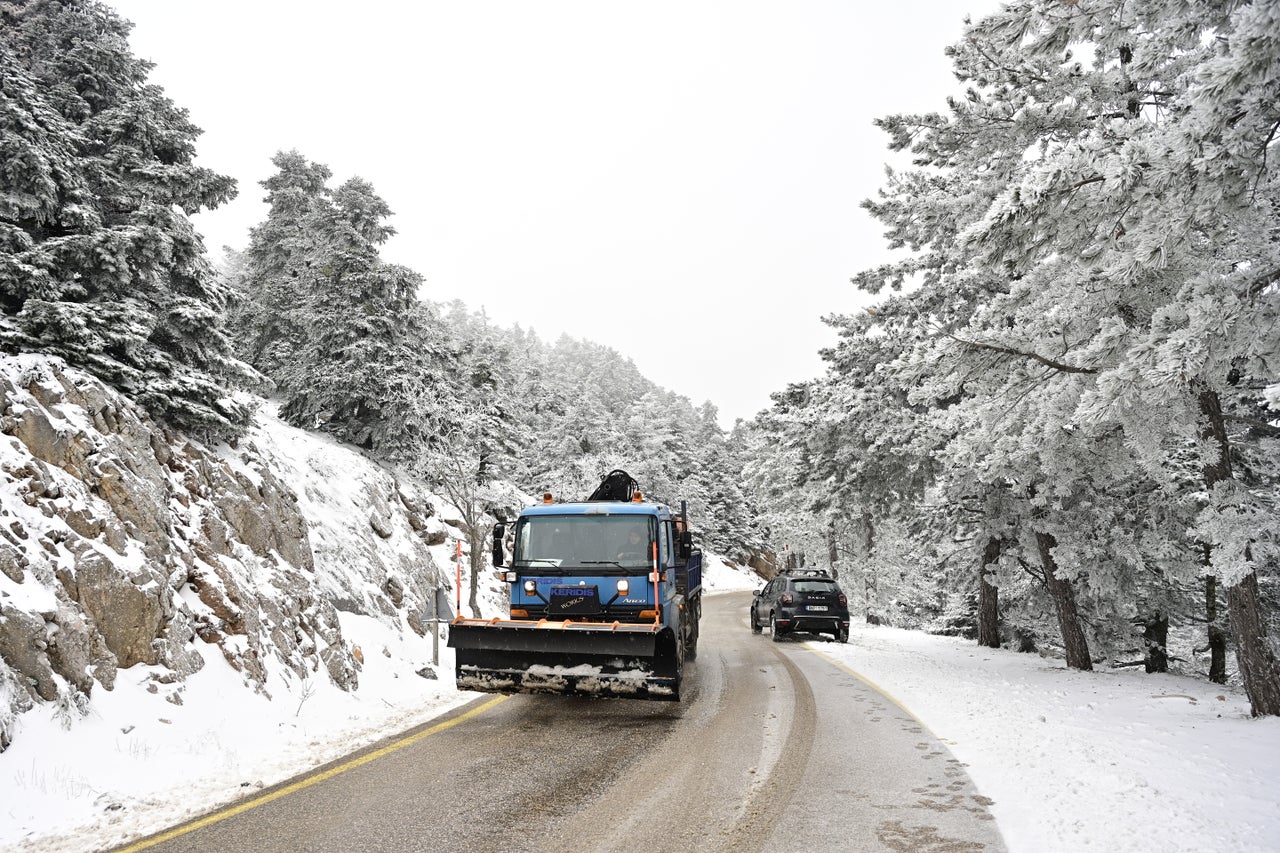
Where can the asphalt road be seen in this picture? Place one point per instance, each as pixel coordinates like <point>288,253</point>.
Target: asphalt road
<point>775,747</point>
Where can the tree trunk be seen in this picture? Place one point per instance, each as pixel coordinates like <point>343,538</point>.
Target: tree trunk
<point>1259,669</point>
<point>479,530</point>
<point>869,590</point>
<point>476,559</point>
<point>1254,655</point>
<point>1217,636</point>
<point>988,598</point>
<point>833,553</point>
<point>1155,635</point>
<point>1064,601</point>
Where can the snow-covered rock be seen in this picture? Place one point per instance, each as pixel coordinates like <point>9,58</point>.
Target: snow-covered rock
<point>123,543</point>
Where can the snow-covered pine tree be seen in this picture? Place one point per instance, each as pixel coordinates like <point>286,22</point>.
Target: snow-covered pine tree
<point>355,371</point>
<point>580,434</point>
<point>99,263</point>
<point>872,437</point>
<point>1093,283</point>
<point>774,463</point>
<point>267,332</point>
<point>1154,183</point>
<point>350,347</point>
<point>718,499</point>
<point>962,163</point>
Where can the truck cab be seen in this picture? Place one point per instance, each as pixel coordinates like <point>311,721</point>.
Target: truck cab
<point>593,561</point>
<point>605,600</point>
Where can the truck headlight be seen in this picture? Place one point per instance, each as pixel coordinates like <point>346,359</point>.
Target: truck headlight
<point>531,587</point>
<point>624,586</point>
<point>510,577</point>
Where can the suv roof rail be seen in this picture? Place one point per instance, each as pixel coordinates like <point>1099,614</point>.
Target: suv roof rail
<point>805,573</point>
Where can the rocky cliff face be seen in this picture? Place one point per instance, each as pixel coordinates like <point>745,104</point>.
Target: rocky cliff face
<point>123,544</point>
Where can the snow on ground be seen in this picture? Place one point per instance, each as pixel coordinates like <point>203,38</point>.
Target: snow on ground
<point>138,764</point>
<point>1114,761</point>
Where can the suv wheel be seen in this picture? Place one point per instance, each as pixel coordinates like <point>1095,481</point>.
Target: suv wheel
<point>842,635</point>
<point>773,628</point>
<point>755,626</point>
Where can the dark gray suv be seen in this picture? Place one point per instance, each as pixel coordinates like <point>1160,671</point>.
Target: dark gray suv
<point>806,600</point>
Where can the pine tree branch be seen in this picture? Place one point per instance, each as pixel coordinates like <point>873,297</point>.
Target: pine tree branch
<point>1263,281</point>
<point>1047,362</point>
<point>1258,427</point>
<point>1008,69</point>
<point>1096,179</point>
<point>1262,168</point>
<point>1029,389</point>
<point>1029,569</point>
<point>1266,143</point>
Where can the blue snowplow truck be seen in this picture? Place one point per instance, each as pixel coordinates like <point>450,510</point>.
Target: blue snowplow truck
<point>606,595</point>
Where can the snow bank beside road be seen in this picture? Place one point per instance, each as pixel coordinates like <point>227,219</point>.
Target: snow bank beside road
<point>719,576</point>
<point>1116,761</point>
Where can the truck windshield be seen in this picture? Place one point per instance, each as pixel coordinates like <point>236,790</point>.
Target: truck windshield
<point>583,541</point>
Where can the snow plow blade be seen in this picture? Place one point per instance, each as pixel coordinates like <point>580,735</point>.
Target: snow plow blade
<point>619,660</point>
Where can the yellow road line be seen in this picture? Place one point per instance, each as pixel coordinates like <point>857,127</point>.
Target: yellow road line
<point>840,665</point>
<point>216,817</point>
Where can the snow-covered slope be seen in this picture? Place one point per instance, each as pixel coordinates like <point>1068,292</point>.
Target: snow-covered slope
<point>172,605</point>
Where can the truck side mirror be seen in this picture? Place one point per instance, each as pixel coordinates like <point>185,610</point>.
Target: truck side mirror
<point>686,544</point>
<point>499,533</point>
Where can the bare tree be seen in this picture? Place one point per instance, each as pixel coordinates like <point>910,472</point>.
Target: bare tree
<point>460,472</point>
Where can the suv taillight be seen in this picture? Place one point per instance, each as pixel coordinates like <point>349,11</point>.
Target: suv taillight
<point>787,598</point>
<point>844,602</point>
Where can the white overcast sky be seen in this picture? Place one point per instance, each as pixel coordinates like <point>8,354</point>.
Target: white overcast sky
<point>678,180</point>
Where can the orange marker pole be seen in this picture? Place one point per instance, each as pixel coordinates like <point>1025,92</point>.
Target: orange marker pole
<point>657,606</point>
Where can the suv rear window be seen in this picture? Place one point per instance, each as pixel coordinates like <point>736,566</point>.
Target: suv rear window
<point>814,586</point>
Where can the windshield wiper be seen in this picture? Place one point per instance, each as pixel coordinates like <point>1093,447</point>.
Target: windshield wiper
<point>602,563</point>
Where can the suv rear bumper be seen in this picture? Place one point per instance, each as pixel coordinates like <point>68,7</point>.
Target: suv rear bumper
<point>811,623</point>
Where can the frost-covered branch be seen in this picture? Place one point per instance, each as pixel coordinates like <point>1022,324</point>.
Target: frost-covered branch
<point>1262,152</point>
<point>1261,428</point>
<point>1031,570</point>
<point>1008,69</point>
<point>1084,182</point>
<point>1047,362</point>
<point>1263,281</point>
